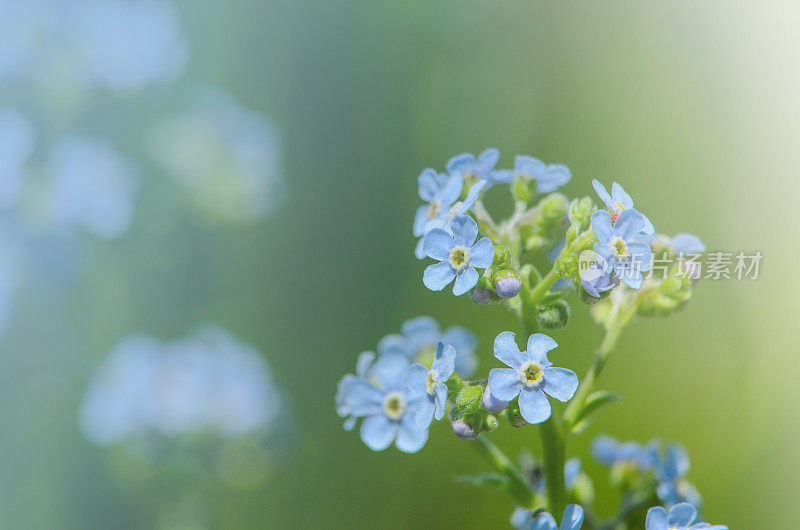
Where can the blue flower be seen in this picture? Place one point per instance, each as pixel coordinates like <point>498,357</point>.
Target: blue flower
<point>522,518</point>
<point>680,517</point>
<point>420,338</point>
<point>623,244</point>
<point>363,369</point>
<point>92,186</point>
<point>595,273</point>
<point>610,452</point>
<point>17,140</point>
<point>618,202</point>
<point>548,177</point>
<point>440,191</point>
<point>432,383</point>
<point>530,376</point>
<point>572,520</point>
<point>686,244</point>
<point>458,255</point>
<point>388,406</point>
<point>481,168</point>
<point>671,470</point>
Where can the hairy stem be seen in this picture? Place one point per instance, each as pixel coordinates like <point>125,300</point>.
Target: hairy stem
<point>554,452</point>
<point>518,488</point>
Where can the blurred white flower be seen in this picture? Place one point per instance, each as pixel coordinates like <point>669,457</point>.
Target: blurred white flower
<point>226,156</point>
<point>207,382</point>
<point>91,186</point>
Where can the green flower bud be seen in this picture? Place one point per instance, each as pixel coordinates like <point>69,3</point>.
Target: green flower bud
<point>502,257</point>
<point>677,287</point>
<point>490,423</point>
<point>554,207</point>
<point>470,399</point>
<point>521,189</point>
<point>580,211</point>
<point>514,416</point>
<point>554,316</point>
<point>654,303</point>
<point>535,243</point>
<point>567,265</point>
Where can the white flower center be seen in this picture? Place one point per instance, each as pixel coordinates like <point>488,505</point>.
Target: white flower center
<point>459,258</point>
<point>434,209</point>
<point>618,247</point>
<point>531,374</point>
<point>617,206</point>
<point>394,405</point>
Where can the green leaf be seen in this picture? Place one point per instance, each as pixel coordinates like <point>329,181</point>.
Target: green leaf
<point>593,403</point>
<point>492,480</point>
<point>553,296</point>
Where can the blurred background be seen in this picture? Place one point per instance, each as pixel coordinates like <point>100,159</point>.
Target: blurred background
<point>228,187</point>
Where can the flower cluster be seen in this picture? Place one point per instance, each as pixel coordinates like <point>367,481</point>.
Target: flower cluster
<point>600,255</point>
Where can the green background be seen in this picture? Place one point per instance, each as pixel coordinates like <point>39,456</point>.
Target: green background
<point>691,105</point>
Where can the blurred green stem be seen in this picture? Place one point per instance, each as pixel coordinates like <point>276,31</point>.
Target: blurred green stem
<point>517,486</point>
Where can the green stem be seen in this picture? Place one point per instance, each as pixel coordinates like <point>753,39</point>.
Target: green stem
<point>554,451</point>
<point>518,488</point>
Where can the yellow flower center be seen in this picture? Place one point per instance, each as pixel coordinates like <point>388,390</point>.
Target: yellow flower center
<point>434,209</point>
<point>431,382</point>
<point>618,247</point>
<point>459,258</point>
<point>617,206</point>
<point>532,374</point>
<point>394,405</point>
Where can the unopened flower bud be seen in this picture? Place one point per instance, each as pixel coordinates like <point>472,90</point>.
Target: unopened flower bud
<point>502,256</point>
<point>567,265</point>
<point>464,430</point>
<point>554,206</point>
<point>514,416</point>
<point>481,296</point>
<point>493,404</point>
<point>554,316</point>
<point>508,286</point>
<point>470,399</point>
<point>580,211</point>
<point>490,423</point>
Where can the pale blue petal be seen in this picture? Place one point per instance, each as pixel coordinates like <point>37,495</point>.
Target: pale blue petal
<point>544,521</point>
<point>573,518</point>
<point>601,226</point>
<point>528,165</point>
<point>487,160</point>
<point>350,423</point>
<point>648,229</point>
<point>393,344</point>
<point>465,230</point>
<point>428,185</point>
<point>602,193</point>
<point>391,371</point>
<point>628,223</point>
<point>682,514</point>
<point>364,363</point>
<point>417,376</point>
<point>441,400</point>
<point>504,383</point>
<point>482,254</point>
<point>362,398</point>
<point>420,326</point>
<point>502,176</point>
<point>438,276</point>
<point>686,244</point>
<point>641,255</point>
<point>604,449</point>
<point>438,244</point>
<point>560,383</point>
<point>507,351</point>
<point>620,195</point>
<point>410,438</point>
<point>419,250</point>
<point>533,405</point>
<point>492,403</point>
<point>472,196</point>
<point>377,432</point>
<point>423,413</point>
<point>676,464</point>
<point>444,362</point>
<point>466,280</point>
<point>539,345</point>
<point>632,278</point>
<point>556,176</point>
<point>656,519</point>
<point>421,220</point>
<point>464,163</point>
<point>452,189</point>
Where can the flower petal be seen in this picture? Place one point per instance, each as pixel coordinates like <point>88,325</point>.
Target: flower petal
<point>441,400</point>
<point>465,230</point>
<point>438,244</point>
<point>629,222</point>
<point>682,514</point>
<point>504,383</point>
<point>428,185</point>
<point>420,220</point>
<point>444,362</point>
<point>560,383</point>
<point>361,397</point>
<point>533,405</point>
<point>452,189</point>
<point>602,193</point>
<point>417,376</point>
<point>482,254</point>
<point>463,163</point>
<point>544,521</point>
<point>539,345</point>
<point>656,519</point>
<point>620,195</point>
<point>438,276</point>
<point>573,518</point>
<point>465,281</point>
<point>507,351</point>
<point>601,226</point>
<point>391,370</point>
<point>487,160</point>
<point>423,413</point>
<point>393,344</point>
<point>377,432</point>
<point>410,438</point>
<point>422,325</point>
<point>604,449</point>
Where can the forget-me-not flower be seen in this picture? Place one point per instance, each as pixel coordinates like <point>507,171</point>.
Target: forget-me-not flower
<point>623,245</point>
<point>458,255</point>
<point>91,186</point>
<point>595,273</point>
<point>388,406</point>
<point>530,376</point>
<point>420,338</point>
<point>548,177</point>
<point>680,517</point>
<point>432,383</point>
<point>611,452</point>
<point>480,168</point>
<point>671,470</point>
<point>686,244</point>
<point>619,201</point>
<point>572,520</point>
<point>440,191</point>
<point>363,368</point>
